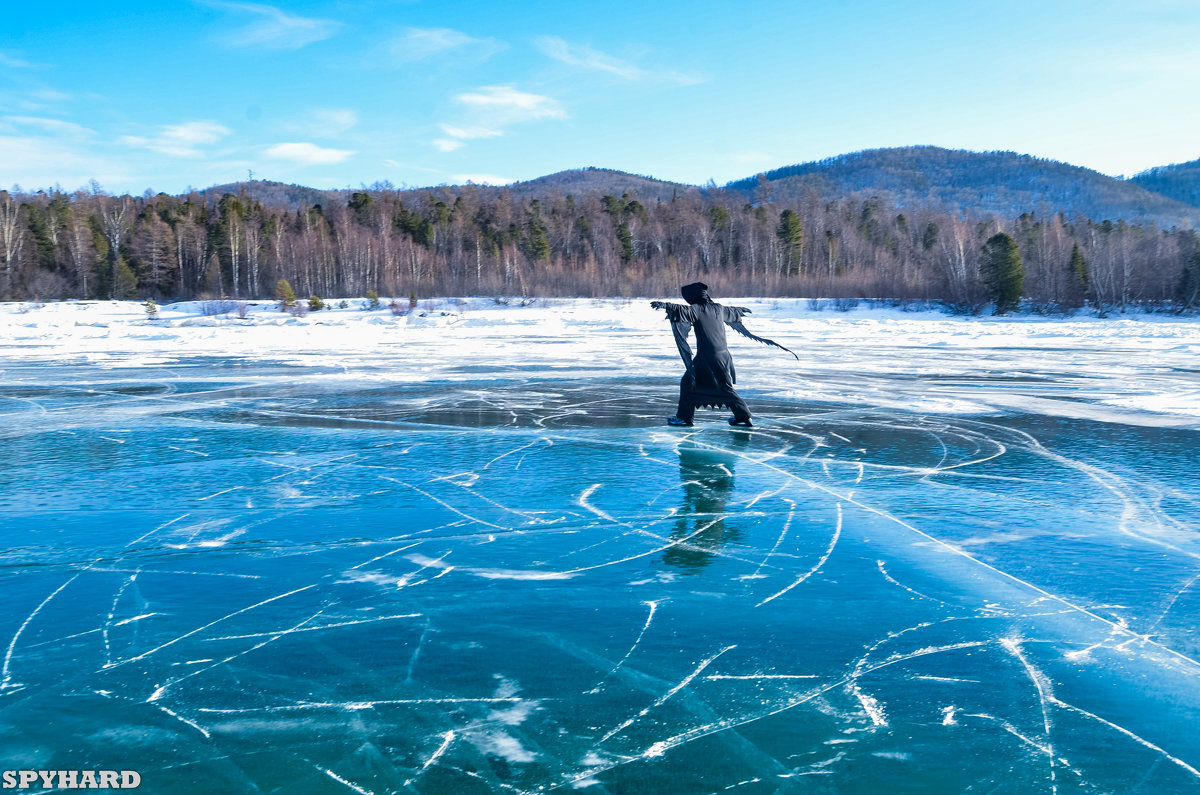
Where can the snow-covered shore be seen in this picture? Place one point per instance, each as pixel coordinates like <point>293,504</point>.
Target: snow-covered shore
<point>1139,367</point>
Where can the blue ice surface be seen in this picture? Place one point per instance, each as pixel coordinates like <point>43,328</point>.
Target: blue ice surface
<point>242,577</point>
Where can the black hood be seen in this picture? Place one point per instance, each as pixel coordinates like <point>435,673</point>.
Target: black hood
<point>695,293</point>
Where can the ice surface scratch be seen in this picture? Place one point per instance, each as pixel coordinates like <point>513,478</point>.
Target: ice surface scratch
<point>1045,693</point>
<point>219,493</point>
<point>897,583</point>
<point>662,746</point>
<point>1140,740</point>
<point>385,555</point>
<point>445,504</point>
<point>687,680</point>
<point>542,440</point>
<point>674,542</point>
<point>163,526</point>
<point>182,719</point>
<point>1171,604</point>
<point>343,781</point>
<point>837,533</point>
<point>523,514</point>
<point>197,630</point>
<point>757,677</point>
<point>764,495</point>
<point>787,524</point>
<point>132,619</point>
<point>447,738</point>
<point>653,605</point>
<point>185,450</point>
<point>354,706</point>
<point>582,502</point>
<point>1041,748</point>
<point>5,672</point>
<point>321,628</point>
<point>108,622</point>
<point>161,690</point>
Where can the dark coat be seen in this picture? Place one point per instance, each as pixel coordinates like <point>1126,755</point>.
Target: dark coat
<point>711,368</point>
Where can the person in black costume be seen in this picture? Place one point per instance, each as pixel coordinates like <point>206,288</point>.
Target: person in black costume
<point>710,374</point>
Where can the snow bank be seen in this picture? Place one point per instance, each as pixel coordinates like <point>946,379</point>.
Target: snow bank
<point>924,361</point>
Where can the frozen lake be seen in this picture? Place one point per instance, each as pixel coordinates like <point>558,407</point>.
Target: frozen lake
<point>463,553</point>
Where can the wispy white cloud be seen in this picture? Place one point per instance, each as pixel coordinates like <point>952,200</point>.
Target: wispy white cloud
<point>510,105</point>
<point>15,62</point>
<point>276,30</point>
<point>491,109</point>
<point>308,154</point>
<point>56,127</point>
<point>585,57</point>
<point>458,135</point>
<point>41,102</point>
<point>50,95</point>
<point>180,140</point>
<point>418,44</point>
<point>469,133</point>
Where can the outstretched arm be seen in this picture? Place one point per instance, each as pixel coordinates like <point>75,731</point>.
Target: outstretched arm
<point>676,313</point>
<point>733,316</point>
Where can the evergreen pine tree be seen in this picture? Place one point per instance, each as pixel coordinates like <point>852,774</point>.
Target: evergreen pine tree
<point>285,295</point>
<point>1077,278</point>
<point>625,237</point>
<point>791,236</point>
<point>1077,266</point>
<point>126,280</point>
<point>1003,273</point>
<point>1189,284</point>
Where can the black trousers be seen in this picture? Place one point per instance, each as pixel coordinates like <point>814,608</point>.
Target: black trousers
<point>691,397</point>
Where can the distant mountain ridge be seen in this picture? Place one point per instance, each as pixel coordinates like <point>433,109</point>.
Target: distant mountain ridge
<point>947,180</point>
<point>984,183</point>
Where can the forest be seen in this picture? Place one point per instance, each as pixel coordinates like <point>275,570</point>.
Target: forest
<point>470,240</point>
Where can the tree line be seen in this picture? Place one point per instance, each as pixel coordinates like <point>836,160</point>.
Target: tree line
<point>468,241</point>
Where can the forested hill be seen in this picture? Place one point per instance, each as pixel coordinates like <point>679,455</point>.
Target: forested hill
<point>579,182</point>
<point>277,194</point>
<point>1180,182</point>
<point>952,181</point>
<point>987,183</point>
<point>599,181</point>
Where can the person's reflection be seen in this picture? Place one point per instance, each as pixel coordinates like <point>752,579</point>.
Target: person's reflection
<point>706,476</point>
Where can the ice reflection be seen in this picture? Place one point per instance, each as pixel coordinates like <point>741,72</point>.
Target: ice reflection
<point>706,477</point>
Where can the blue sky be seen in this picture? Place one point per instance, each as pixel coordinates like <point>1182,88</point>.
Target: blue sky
<point>166,95</point>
